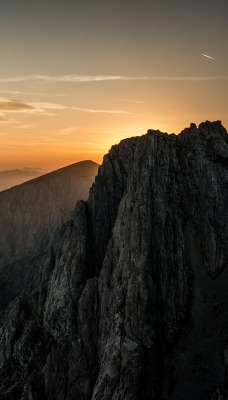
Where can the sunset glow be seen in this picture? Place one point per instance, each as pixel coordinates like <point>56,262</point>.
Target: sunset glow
<point>79,76</point>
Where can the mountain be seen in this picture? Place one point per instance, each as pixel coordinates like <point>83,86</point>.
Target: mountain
<point>131,301</point>
<point>30,216</point>
<point>15,177</point>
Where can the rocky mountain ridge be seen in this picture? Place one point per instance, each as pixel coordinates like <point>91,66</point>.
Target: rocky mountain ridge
<point>132,300</point>
<point>30,216</point>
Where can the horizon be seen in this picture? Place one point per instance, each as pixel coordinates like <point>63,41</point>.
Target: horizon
<point>43,171</point>
<point>77,78</point>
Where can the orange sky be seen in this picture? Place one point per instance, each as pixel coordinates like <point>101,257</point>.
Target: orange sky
<point>77,77</point>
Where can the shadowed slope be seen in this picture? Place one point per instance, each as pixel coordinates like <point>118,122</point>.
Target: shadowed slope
<point>30,215</point>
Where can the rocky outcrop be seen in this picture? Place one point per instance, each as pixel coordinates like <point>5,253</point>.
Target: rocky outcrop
<point>30,216</point>
<point>131,301</point>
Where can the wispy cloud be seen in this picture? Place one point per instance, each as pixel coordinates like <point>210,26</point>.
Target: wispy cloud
<point>52,106</point>
<point>68,78</point>
<point>100,78</point>
<point>69,130</point>
<point>88,144</point>
<point>4,120</point>
<point>14,105</point>
<point>18,93</point>
<point>134,101</point>
<point>97,111</point>
<point>17,106</point>
<point>47,106</point>
<point>24,126</point>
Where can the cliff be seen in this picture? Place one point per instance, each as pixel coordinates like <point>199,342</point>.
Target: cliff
<point>132,300</point>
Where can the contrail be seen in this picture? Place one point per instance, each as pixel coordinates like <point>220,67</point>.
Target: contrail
<point>205,55</point>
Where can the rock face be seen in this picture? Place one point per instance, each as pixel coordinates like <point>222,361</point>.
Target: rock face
<point>30,216</point>
<point>131,302</point>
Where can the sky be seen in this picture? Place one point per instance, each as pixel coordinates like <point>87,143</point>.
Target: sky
<point>77,76</point>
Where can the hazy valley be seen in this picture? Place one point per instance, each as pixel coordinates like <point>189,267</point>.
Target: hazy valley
<point>10,178</point>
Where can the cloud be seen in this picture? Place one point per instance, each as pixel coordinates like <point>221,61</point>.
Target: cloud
<point>100,111</point>
<point>134,101</point>
<point>24,126</point>
<point>69,130</point>
<point>4,120</point>
<point>14,105</point>
<point>100,78</point>
<point>66,78</point>
<point>41,107</point>
<point>18,92</point>
<point>18,106</point>
<point>52,106</point>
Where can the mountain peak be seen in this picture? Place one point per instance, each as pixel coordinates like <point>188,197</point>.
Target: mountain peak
<point>207,129</point>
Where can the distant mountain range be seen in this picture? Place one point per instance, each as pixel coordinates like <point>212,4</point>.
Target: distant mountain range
<point>30,216</point>
<point>13,177</point>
